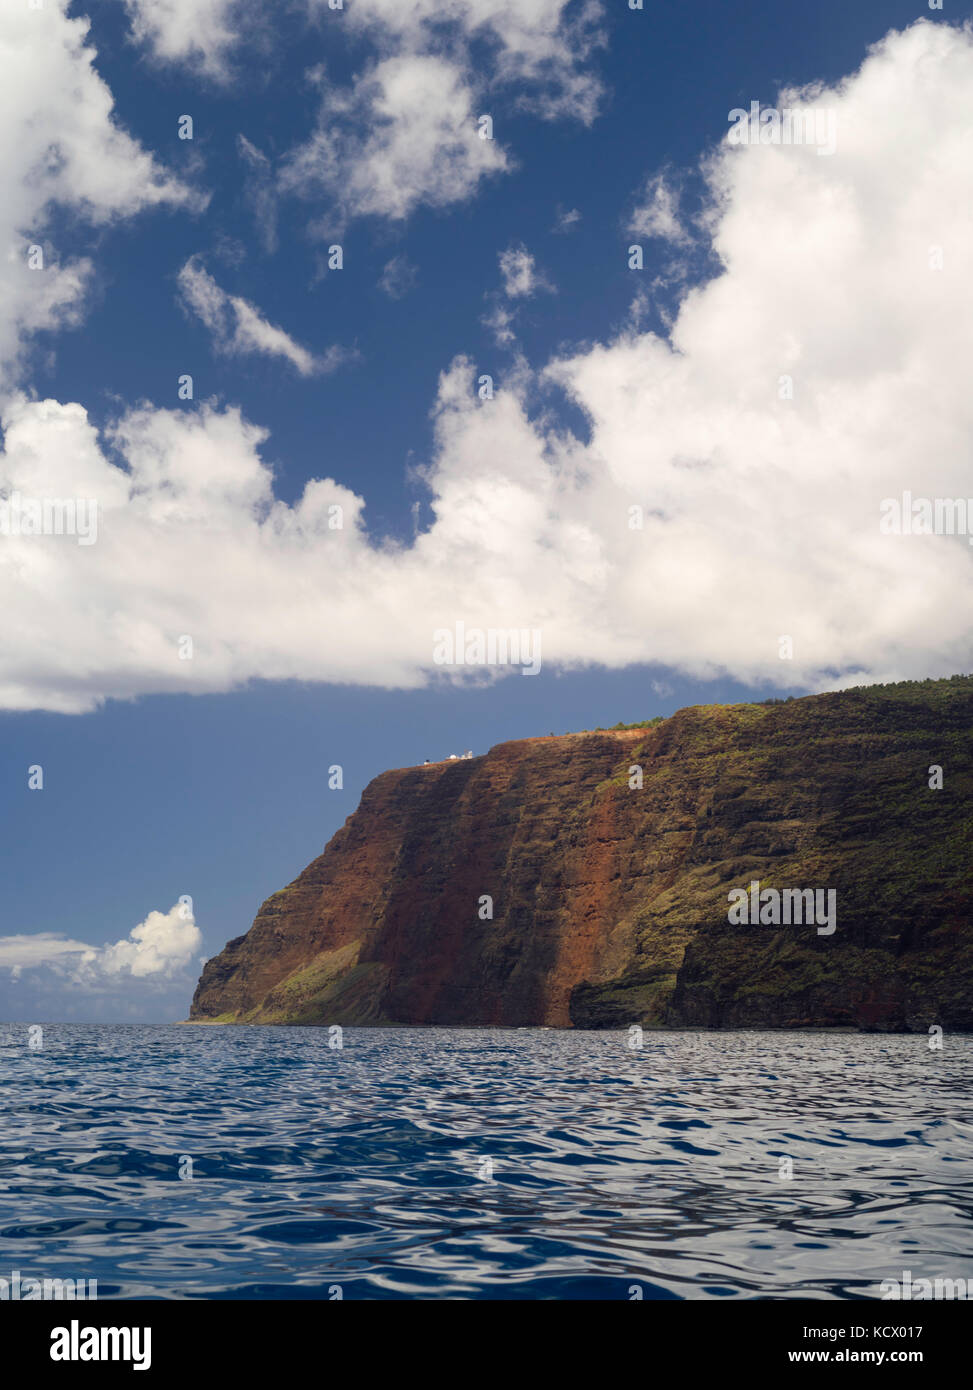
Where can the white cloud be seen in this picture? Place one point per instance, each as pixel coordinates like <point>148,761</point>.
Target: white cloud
<point>162,945</point>
<point>238,328</point>
<point>198,32</point>
<point>657,215</point>
<point>398,277</point>
<point>545,45</point>
<point>566,219</point>
<point>25,951</point>
<point>521,278</point>
<point>159,948</point>
<point>406,132</point>
<point>500,320</point>
<point>406,135</point>
<point>761,513</point>
<point>59,147</point>
<point>260,192</point>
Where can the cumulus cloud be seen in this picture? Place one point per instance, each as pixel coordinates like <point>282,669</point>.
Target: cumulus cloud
<point>60,146</point>
<point>239,328</point>
<point>163,945</point>
<point>823,369</point>
<point>157,949</point>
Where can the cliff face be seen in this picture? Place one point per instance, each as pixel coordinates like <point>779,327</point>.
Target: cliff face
<point>610,900</point>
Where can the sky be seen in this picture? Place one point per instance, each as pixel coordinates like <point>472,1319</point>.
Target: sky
<point>328,329</point>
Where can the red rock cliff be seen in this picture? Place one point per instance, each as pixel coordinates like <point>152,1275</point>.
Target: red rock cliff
<point>610,900</point>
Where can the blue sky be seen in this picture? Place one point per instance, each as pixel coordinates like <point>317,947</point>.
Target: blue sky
<point>612,123</point>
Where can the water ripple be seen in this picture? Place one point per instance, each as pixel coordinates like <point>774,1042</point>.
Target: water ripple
<point>479,1163</point>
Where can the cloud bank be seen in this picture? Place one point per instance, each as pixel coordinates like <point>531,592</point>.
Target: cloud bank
<point>726,494</point>
<point>146,976</point>
<point>158,949</point>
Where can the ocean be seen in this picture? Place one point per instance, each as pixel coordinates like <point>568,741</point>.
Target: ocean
<point>209,1162</point>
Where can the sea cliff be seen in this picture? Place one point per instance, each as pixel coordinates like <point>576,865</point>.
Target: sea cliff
<point>608,858</point>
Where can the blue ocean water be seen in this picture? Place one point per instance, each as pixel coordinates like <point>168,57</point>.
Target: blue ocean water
<point>483,1163</point>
